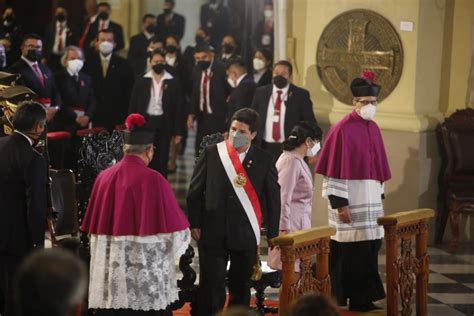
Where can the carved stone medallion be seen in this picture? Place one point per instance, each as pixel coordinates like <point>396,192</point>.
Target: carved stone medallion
<point>355,41</point>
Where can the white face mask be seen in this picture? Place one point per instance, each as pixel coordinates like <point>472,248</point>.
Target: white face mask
<point>75,65</point>
<point>106,47</point>
<point>311,152</point>
<point>367,112</point>
<point>231,83</point>
<point>268,14</point>
<point>258,64</point>
<point>170,60</point>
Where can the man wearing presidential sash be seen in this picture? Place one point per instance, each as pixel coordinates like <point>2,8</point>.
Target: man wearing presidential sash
<point>233,184</point>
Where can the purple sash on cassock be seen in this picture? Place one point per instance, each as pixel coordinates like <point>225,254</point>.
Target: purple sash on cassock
<point>354,150</point>
<point>130,199</point>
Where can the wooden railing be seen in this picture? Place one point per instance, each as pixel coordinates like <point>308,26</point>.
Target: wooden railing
<point>404,268</point>
<point>304,245</point>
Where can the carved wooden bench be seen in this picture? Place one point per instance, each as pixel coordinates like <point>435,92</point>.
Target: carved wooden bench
<point>304,245</point>
<point>404,268</point>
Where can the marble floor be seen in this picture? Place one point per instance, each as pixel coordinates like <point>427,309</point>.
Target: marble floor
<point>451,278</point>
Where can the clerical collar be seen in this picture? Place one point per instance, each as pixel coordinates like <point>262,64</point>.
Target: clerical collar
<point>29,139</point>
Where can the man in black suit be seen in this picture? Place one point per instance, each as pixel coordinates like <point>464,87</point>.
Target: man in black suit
<point>22,195</point>
<point>281,106</point>
<point>37,76</point>
<point>170,22</point>
<point>57,37</point>
<point>228,49</point>
<point>209,96</point>
<point>112,79</point>
<point>10,36</point>
<point>216,20</point>
<point>243,87</point>
<point>103,22</point>
<point>158,97</point>
<point>225,224</point>
<point>137,52</point>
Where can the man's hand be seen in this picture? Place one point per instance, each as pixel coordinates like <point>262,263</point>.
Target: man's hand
<point>50,112</point>
<point>344,214</point>
<point>190,122</point>
<point>178,139</point>
<point>196,233</point>
<point>82,120</point>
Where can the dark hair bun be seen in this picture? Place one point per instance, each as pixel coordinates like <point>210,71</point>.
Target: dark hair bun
<point>300,133</point>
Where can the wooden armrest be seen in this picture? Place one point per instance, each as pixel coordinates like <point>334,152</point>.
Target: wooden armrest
<point>406,217</point>
<point>303,236</point>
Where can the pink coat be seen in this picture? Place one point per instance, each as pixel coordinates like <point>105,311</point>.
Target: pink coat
<point>296,181</point>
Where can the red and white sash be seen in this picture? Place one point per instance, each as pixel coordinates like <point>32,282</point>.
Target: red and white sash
<point>242,186</point>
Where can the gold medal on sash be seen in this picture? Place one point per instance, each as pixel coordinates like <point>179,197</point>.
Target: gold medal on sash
<point>240,180</point>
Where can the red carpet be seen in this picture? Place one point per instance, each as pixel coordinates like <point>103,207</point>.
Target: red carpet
<point>185,310</point>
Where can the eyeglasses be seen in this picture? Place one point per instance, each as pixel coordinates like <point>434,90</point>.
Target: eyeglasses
<point>365,102</point>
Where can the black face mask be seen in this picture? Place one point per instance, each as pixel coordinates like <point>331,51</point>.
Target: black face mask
<point>150,29</point>
<point>280,82</point>
<point>103,16</point>
<point>228,48</point>
<point>61,17</point>
<point>203,64</point>
<point>158,68</point>
<point>167,11</point>
<point>33,55</point>
<point>171,49</point>
<point>199,39</point>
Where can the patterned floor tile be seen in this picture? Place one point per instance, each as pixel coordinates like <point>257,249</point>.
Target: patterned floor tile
<point>452,268</point>
<point>453,298</point>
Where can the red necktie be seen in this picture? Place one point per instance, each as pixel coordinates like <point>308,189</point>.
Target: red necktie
<point>38,74</point>
<point>276,122</point>
<point>60,39</point>
<point>204,92</point>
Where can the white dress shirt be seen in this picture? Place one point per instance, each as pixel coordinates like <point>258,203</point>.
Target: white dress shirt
<point>155,105</point>
<point>58,35</point>
<point>242,155</point>
<point>201,101</point>
<point>106,24</point>
<point>105,59</point>
<point>268,133</point>
<point>240,79</point>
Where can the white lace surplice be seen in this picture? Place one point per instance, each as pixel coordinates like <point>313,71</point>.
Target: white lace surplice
<point>134,272</point>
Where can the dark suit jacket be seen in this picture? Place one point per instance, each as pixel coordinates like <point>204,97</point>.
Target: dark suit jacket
<point>92,34</point>
<point>217,23</point>
<point>74,94</point>
<point>218,93</point>
<point>298,108</point>
<point>241,97</point>
<point>50,35</point>
<point>265,79</point>
<point>214,207</point>
<point>22,196</point>
<point>174,27</point>
<point>113,92</point>
<point>28,78</point>
<point>173,103</point>
<point>137,53</point>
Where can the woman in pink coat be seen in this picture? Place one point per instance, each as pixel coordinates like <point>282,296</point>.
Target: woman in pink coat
<point>296,181</point>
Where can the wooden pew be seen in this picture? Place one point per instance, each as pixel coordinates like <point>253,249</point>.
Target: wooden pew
<point>304,245</point>
<point>403,268</point>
